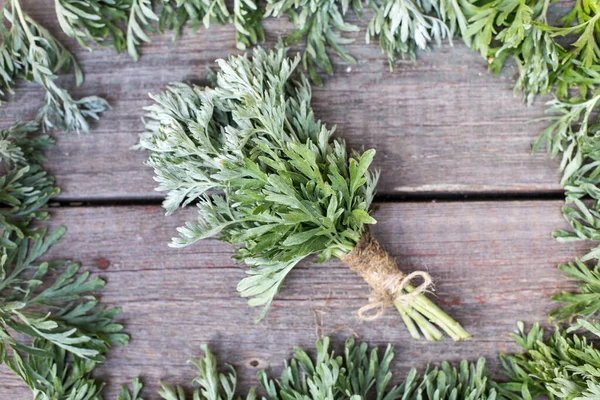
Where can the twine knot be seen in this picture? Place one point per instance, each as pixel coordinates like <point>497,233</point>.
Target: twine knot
<point>381,272</point>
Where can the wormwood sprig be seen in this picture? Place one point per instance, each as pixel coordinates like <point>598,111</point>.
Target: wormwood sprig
<point>52,330</point>
<point>52,375</point>
<point>25,187</point>
<point>572,135</point>
<point>320,23</point>
<point>361,374</point>
<point>585,303</point>
<point>513,29</point>
<point>401,26</point>
<point>564,366</point>
<point>356,373</point>
<point>74,324</point>
<point>270,178</point>
<point>128,23</point>
<point>140,17</point>
<point>28,51</point>
<point>93,21</point>
<point>244,15</point>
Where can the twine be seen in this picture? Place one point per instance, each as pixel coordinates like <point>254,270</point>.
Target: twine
<point>381,272</point>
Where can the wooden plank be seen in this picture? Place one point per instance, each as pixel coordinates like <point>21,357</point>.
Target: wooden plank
<point>442,124</point>
<point>494,264</point>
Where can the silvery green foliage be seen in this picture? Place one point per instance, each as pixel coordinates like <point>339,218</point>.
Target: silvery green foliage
<point>127,23</point>
<point>356,373</point>
<point>265,174</point>
<point>585,303</point>
<point>140,18</point>
<point>93,21</point>
<point>403,26</point>
<point>211,384</point>
<point>320,23</point>
<point>25,187</point>
<point>51,375</point>
<point>28,51</point>
<point>52,330</point>
<point>245,15</point>
<point>504,30</point>
<point>572,135</point>
<point>563,366</point>
<point>134,392</point>
<point>361,374</point>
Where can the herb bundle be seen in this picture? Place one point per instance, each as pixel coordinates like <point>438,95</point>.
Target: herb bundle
<point>555,52</point>
<point>268,177</point>
<point>355,373</point>
<point>28,51</point>
<point>52,331</point>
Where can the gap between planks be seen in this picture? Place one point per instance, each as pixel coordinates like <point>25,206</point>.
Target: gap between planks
<point>450,197</point>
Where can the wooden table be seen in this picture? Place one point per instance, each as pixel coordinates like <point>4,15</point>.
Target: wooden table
<point>460,196</point>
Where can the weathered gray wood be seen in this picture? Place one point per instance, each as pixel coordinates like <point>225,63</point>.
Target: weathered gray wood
<point>442,124</point>
<point>494,263</point>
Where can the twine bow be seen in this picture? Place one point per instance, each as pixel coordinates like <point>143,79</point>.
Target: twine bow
<point>381,272</point>
<point>391,291</point>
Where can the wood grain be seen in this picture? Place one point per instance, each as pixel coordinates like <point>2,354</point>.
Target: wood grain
<point>494,264</point>
<point>442,124</point>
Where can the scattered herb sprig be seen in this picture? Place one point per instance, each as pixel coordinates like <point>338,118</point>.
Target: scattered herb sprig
<point>563,366</point>
<point>401,27</point>
<point>52,330</point>
<point>29,51</point>
<point>356,373</point>
<point>125,24</point>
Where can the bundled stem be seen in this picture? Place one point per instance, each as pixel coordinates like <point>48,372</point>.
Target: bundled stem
<point>390,286</point>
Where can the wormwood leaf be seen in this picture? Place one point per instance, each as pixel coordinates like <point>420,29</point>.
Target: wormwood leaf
<point>128,23</point>
<point>403,26</point>
<point>140,15</point>
<point>25,188</point>
<point>134,393</point>
<point>93,21</point>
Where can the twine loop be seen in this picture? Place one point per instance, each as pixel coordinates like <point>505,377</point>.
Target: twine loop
<point>381,272</point>
<point>392,293</point>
